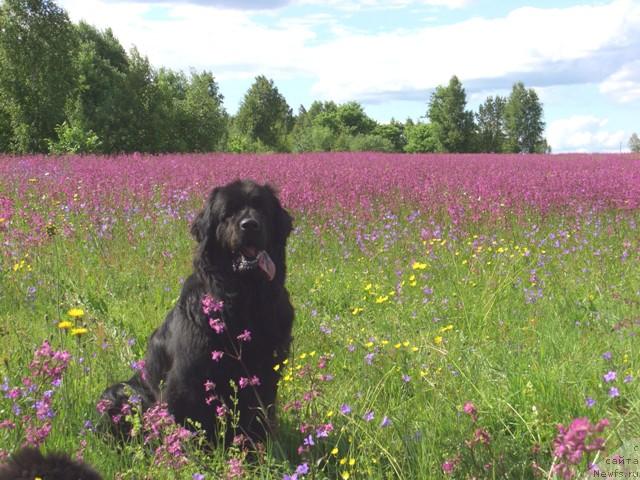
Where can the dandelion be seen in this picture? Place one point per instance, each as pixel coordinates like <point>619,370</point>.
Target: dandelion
<point>65,325</point>
<point>79,331</point>
<point>75,313</point>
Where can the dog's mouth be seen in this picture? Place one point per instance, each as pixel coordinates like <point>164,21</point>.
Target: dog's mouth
<point>249,258</point>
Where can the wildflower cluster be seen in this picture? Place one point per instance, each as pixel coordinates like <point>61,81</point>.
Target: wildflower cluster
<point>574,443</point>
<point>160,430</point>
<point>32,409</point>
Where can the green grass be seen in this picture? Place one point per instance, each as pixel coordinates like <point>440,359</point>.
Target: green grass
<point>471,338</point>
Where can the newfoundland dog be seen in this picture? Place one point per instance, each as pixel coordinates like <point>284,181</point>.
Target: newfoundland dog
<point>29,464</point>
<point>216,350</point>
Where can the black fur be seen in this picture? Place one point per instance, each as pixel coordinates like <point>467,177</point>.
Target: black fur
<point>29,463</point>
<point>178,359</point>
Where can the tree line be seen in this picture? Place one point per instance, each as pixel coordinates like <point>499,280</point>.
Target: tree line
<point>67,88</point>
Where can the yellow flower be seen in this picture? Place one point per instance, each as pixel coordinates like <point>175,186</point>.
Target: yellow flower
<point>343,460</point>
<point>352,462</point>
<point>75,313</point>
<point>345,475</point>
<point>356,310</point>
<point>419,266</point>
<point>79,331</point>
<point>382,299</point>
<point>437,340</point>
<point>334,451</point>
<point>276,367</point>
<point>65,324</point>
<point>446,329</point>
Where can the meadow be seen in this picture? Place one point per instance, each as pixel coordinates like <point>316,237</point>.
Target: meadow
<point>457,316</point>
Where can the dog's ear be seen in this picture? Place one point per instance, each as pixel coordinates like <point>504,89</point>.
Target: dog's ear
<point>205,219</point>
<point>283,221</point>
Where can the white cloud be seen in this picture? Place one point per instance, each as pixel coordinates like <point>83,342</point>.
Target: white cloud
<point>584,133</point>
<point>624,85</point>
<point>539,46</point>
<point>355,5</point>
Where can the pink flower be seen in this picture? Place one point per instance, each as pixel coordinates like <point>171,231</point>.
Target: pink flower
<point>470,409</point>
<point>216,355</point>
<point>210,304</point>
<point>244,336</point>
<point>217,325</point>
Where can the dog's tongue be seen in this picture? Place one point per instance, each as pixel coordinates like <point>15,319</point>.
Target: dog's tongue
<point>266,264</point>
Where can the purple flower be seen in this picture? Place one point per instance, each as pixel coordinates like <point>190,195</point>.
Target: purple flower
<point>345,409</point>
<point>606,355</point>
<point>302,469</point>
<point>406,378</point>
<point>197,476</point>
<point>385,422</point>
<point>609,376</point>
<point>368,358</point>
<point>590,402</point>
<point>308,441</point>
<point>614,392</point>
<point>368,416</point>
<point>628,379</point>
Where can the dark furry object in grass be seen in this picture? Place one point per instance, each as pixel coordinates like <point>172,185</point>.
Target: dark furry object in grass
<point>205,353</point>
<point>30,464</point>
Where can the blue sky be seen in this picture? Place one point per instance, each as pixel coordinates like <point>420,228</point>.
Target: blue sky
<point>580,56</point>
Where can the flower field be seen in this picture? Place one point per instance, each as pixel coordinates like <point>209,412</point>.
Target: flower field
<point>457,316</point>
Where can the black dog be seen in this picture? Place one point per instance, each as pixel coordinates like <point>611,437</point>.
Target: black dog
<point>239,261</point>
<point>29,464</point>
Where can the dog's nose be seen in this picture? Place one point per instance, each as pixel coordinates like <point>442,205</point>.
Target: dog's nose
<point>249,224</point>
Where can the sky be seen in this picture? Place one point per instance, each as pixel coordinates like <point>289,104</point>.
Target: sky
<point>581,57</point>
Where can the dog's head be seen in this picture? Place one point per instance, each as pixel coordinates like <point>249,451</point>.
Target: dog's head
<point>243,229</point>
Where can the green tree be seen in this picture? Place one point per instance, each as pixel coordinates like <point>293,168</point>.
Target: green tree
<point>634,143</point>
<point>394,133</point>
<point>491,135</point>
<point>37,76</point>
<point>352,119</point>
<point>420,138</point>
<point>264,117</point>
<point>206,119</point>
<point>523,121</point>
<point>104,103</point>
<point>452,125</point>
